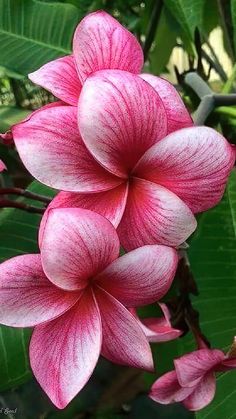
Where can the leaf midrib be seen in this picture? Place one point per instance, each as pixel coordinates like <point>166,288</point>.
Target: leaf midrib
<point>34,41</point>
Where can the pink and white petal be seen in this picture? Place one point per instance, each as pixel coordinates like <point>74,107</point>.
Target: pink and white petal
<point>76,245</point>
<point>2,166</point>
<point>64,352</point>
<point>51,148</point>
<point>190,368</point>
<point>157,330</point>
<point>123,339</point>
<point>101,42</point>
<point>177,114</point>
<point>27,297</point>
<point>140,277</point>
<point>194,163</point>
<point>167,389</point>
<point>60,78</point>
<point>154,215</point>
<point>120,117</point>
<point>203,393</point>
<point>110,204</point>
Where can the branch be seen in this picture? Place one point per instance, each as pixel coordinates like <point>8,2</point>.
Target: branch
<point>151,31</point>
<point>183,314</point>
<point>209,99</point>
<point>25,193</point>
<point>7,203</point>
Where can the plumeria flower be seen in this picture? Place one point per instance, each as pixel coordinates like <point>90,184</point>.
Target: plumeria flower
<point>124,166</point>
<point>158,329</point>
<point>193,382</point>
<point>75,293</point>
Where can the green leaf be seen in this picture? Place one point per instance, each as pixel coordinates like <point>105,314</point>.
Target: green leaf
<point>212,256</point>
<point>10,116</point>
<point>189,15</point>
<point>161,52</point>
<point>18,235</point>
<point>233,14</point>
<point>33,33</point>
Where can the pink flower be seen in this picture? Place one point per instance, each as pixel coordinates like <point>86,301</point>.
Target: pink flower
<point>193,382</point>
<point>75,293</point>
<point>146,184</point>
<point>158,329</point>
<point>125,167</point>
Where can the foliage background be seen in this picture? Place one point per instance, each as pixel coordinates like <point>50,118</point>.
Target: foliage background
<point>32,32</point>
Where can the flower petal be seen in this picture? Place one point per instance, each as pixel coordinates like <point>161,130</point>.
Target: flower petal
<point>120,116</point>
<point>77,244</point>
<point>110,204</point>
<point>194,163</point>
<point>167,389</point>
<point>203,393</point>
<point>123,340</point>
<point>228,363</point>
<point>141,276</point>
<point>60,78</point>
<point>101,42</point>
<point>52,150</point>
<point>154,215</point>
<point>64,352</point>
<point>190,368</point>
<point>177,115</point>
<point>156,330</point>
<point>160,329</point>
<point>2,166</point>
<point>27,297</point>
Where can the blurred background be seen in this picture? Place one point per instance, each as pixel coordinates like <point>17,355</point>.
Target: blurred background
<point>178,37</point>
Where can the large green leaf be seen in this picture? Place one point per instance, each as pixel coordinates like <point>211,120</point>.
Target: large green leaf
<point>212,255</point>
<point>161,52</point>
<point>18,235</point>
<point>189,15</point>
<point>33,32</point>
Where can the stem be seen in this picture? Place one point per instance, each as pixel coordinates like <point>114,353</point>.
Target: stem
<point>225,100</point>
<point>151,31</point>
<point>197,84</point>
<point>209,99</point>
<point>6,203</point>
<point>204,109</point>
<point>25,193</point>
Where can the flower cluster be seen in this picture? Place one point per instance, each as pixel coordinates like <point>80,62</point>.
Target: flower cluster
<point>132,170</point>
